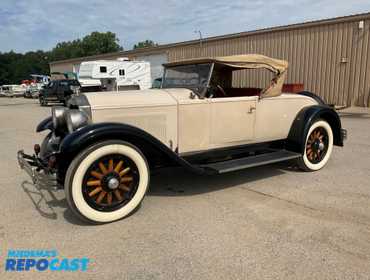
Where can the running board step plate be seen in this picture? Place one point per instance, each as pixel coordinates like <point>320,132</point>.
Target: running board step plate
<point>250,161</point>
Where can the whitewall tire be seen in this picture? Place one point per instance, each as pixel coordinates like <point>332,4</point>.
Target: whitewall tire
<point>318,147</point>
<point>107,182</point>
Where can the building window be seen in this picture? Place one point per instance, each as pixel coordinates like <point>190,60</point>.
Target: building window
<point>103,69</point>
<point>122,72</point>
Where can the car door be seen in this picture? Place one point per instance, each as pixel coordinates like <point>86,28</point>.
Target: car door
<point>49,90</point>
<point>193,123</point>
<point>61,90</point>
<point>232,120</point>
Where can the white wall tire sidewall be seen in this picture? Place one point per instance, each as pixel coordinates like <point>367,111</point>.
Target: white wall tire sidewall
<point>322,163</point>
<point>77,183</point>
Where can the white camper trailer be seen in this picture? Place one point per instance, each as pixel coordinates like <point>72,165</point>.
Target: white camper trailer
<point>114,75</point>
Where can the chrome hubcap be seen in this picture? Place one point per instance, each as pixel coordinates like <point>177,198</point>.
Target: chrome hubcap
<point>321,146</point>
<point>113,183</point>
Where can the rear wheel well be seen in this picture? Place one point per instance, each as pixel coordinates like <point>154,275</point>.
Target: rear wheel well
<point>335,126</point>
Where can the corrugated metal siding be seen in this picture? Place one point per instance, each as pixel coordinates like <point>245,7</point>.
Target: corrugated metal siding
<point>315,55</point>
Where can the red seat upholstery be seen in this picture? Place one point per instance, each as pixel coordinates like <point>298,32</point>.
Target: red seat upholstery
<point>239,92</point>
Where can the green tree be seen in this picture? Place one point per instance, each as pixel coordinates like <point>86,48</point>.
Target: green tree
<point>92,44</point>
<point>145,44</point>
<point>15,67</point>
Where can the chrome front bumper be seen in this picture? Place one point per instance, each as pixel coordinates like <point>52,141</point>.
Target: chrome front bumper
<point>37,171</point>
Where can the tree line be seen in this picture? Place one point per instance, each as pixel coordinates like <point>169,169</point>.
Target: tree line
<point>15,67</point>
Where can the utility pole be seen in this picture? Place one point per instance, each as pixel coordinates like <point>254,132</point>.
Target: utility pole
<point>200,41</point>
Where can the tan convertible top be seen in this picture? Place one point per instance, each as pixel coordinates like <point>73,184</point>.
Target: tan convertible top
<point>247,61</point>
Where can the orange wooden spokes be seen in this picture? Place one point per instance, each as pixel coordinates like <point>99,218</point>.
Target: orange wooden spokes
<point>109,198</point>
<point>103,168</point>
<point>110,167</point>
<point>124,187</point>
<point>118,195</point>
<point>101,196</point>
<point>127,179</point>
<point>93,183</point>
<point>124,171</point>
<point>96,191</point>
<point>96,174</point>
<point>118,166</point>
<point>96,187</point>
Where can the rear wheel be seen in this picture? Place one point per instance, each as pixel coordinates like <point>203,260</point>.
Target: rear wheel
<point>107,182</point>
<point>318,147</point>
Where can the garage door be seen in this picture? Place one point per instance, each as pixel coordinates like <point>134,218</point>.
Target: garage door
<point>156,61</point>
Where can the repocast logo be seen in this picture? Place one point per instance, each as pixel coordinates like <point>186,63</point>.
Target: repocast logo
<point>42,260</point>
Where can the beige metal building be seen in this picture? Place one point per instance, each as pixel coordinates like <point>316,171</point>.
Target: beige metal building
<point>330,57</point>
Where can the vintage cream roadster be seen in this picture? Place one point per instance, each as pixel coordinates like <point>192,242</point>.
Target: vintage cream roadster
<point>102,147</point>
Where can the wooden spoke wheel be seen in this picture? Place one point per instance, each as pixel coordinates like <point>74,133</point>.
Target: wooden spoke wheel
<point>110,182</point>
<point>317,145</point>
<point>107,181</point>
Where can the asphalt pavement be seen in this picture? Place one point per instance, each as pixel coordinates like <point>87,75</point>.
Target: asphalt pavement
<point>271,222</point>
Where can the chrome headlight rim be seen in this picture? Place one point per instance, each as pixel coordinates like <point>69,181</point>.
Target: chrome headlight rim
<point>58,114</point>
<point>76,119</point>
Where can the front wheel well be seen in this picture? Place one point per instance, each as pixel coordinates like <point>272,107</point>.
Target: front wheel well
<point>154,156</point>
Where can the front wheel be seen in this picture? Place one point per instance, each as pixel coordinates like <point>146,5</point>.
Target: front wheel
<point>107,182</point>
<point>318,147</point>
<point>42,101</point>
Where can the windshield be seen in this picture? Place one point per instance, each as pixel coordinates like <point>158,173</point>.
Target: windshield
<point>187,76</point>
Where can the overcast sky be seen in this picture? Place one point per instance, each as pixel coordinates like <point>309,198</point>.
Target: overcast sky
<point>39,24</point>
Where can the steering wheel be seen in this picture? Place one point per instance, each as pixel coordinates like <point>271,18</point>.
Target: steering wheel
<point>222,90</point>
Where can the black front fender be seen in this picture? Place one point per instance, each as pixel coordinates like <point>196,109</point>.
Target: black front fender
<point>45,124</point>
<point>151,147</point>
<point>304,119</point>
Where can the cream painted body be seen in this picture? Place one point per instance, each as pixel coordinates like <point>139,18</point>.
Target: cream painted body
<point>194,125</point>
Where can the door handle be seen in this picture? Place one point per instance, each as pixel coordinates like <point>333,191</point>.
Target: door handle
<point>251,109</point>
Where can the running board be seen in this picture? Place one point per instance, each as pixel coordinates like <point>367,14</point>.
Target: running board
<point>250,161</point>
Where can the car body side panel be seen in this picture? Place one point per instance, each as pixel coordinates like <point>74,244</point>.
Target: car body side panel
<point>208,124</point>
<point>153,111</point>
<point>189,124</point>
<point>161,122</point>
<point>232,120</point>
<point>194,129</point>
<point>131,98</point>
<point>275,115</point>
<point>193,120</point>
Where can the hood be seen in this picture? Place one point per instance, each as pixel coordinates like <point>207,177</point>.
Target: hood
<point>131,98</point>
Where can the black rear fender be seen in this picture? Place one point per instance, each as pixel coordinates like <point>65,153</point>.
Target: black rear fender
<point>303,121</point>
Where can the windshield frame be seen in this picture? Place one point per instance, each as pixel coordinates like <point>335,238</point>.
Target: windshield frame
<point>200,91</point>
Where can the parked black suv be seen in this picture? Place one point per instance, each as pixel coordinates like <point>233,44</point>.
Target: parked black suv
<point>58,91</point>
